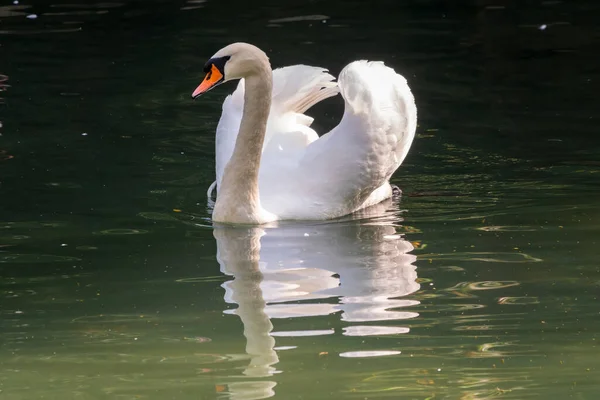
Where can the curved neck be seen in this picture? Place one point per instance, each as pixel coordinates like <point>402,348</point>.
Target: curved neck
<point>238,198</point>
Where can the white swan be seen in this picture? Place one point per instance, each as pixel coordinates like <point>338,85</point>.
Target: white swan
<point>271,165</point>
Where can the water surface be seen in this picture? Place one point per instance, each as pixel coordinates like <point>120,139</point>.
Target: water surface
<point>481,281</point>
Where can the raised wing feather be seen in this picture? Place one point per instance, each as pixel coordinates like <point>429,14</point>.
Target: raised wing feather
<point>338,173</point>
<point>295,89</point>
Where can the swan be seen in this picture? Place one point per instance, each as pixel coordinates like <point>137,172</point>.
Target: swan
<point>270,165</point>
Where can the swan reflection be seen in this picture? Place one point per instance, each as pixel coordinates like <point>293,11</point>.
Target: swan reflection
<point>360,267</point>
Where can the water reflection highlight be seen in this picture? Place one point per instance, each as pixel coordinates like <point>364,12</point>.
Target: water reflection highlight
<point>360,270</point>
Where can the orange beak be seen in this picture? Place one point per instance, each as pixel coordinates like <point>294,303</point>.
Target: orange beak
<point>213,78</point>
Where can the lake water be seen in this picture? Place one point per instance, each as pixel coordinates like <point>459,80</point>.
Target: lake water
<point>481,281</point>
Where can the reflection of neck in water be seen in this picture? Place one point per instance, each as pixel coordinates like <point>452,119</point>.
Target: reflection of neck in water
<point>238,254</point>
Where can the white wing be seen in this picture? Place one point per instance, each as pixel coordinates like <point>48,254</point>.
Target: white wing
<point>349,167</point>
<point>295,89</point>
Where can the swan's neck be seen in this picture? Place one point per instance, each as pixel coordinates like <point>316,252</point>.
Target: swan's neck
<point>238,198</point>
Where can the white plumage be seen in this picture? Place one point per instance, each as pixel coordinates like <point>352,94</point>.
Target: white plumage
<point>304,176</point>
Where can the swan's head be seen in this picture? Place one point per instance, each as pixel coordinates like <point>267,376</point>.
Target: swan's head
<point>236,61</point>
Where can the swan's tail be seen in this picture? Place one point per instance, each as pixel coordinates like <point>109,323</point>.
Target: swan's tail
<point>299,87</point>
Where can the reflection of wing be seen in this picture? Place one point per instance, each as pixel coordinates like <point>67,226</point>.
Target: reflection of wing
<point>283,272</point>
<point>373,263</point>
<point>300,262</point>
<point>369,291</point>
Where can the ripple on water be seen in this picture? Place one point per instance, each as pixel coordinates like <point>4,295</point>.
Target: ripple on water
<point>14,293</point>
<point>113,318</point>
<point>156,216</point>
<point>121,231</point>
<point>102,358</point>
<point>300,18</point>
<point>193,5</point>
<point>158,191</point>
<point>436,308</point>
<point>371,330</point>
<point>16,10</point>
<point>38,31</point>
<point>458,382</point>
<point>3,153</point>
<point>34,258</point>
<point>86,248</point>
<point>31,224</point>
<point>497,257</point>
<point>452,268</point>
<point>369,353</point>
<point>89,5</point>
<point>486,327</point>
<point>54,18</point>
<point>15,237</point>
<point>74,13</point>
<point>518,300</point>
<point>216,278</point>
<point>504,228</point>
<point>484,285</point>
<point>498,349</point>
<point>303,333</point>
<point>64,185</point>
<point>38,279</point>
<point>170,160</point>
<point>282,348</point>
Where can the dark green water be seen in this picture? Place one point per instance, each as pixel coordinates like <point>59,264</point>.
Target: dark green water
<point>481,282</point>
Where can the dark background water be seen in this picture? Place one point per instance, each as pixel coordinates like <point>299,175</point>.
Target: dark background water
<point>109,282</point>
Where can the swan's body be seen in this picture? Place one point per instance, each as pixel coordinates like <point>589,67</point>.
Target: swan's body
<point>271,165</point>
